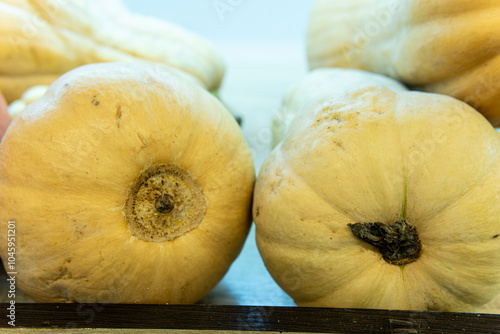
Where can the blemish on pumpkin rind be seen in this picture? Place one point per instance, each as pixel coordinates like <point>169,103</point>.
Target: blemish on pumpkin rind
<point>118,116</point>
<point>62,275</point>
<point>142,139</point>
<point>328,115</point>
<point>94,101</point>
<point>339,144</point>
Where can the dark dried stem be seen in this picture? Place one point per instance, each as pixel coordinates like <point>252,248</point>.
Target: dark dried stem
<point>398,242</point>
<point>164,203</point>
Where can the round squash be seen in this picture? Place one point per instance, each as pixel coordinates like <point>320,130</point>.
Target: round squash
<point>378,197</point>
<point>449,47</point>
<point>5,118</point>
<point>127,183</point>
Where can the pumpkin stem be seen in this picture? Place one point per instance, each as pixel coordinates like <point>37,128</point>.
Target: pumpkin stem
<point>398,242</point>
<point>164,203</point>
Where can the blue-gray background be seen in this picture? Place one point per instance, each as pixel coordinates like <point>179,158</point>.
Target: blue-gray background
<point>252,21</point>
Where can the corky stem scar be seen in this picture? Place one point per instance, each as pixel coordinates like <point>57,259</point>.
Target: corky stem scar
<point>398,242</point>
<point>164,203</point>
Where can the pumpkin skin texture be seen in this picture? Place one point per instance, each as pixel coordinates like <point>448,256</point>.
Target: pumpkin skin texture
<point>368,152</point>
<point>491,307</point>
<point>317,87</point>
<point>447,47</point>
<point>5,118</point>
<point>86,172</point>
<point>42,39</point>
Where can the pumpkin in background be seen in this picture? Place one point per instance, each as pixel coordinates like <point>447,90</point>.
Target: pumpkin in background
<point>378,197</point>
<point>29,96</point>
<point>449,47</point>
<point>127,184</point>
<point>42,39</point>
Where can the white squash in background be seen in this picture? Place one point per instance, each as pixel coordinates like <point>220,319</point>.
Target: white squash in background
<point>42,39</point>
<point>28,97</point>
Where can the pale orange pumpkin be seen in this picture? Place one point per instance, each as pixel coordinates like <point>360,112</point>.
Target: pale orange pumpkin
<point>128,183</point>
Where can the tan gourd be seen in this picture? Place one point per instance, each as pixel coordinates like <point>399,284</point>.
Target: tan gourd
<point>127,184</point>
<point>366,159</point>
<point>450,47</point>
<point>42,39</point>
